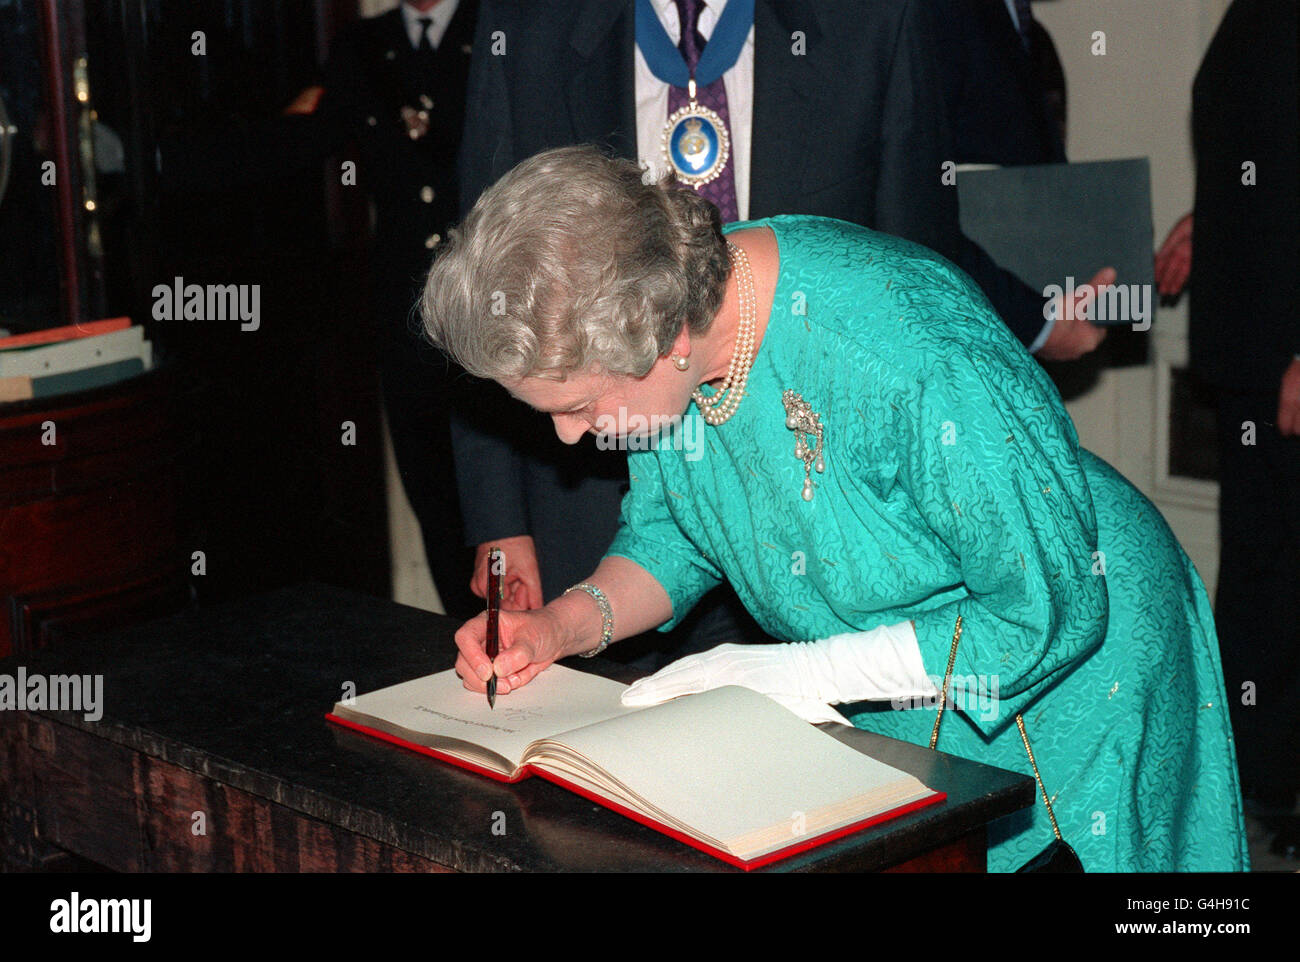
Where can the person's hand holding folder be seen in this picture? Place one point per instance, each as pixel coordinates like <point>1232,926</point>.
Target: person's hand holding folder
<point>1073,335</point>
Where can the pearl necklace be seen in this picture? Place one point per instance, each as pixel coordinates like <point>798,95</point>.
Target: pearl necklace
<point>716,409</point>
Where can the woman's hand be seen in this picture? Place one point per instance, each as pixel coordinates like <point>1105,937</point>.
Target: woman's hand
<point>530,641</point>
<point>522,587</point>
<point>571,624</point>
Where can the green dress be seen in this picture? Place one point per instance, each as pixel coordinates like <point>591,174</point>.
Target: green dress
<point>954,484</point>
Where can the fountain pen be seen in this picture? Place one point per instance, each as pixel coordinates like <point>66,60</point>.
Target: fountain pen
<point>495,591</point>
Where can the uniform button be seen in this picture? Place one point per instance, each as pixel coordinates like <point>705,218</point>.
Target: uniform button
<point>371,121</point>
<point>432,241</point>
<point>426,194</point>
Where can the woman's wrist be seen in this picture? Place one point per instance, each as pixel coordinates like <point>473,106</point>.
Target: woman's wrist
<point>606,616</point>
<point>578,622</point>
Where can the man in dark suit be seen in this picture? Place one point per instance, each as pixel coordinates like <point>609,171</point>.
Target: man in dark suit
<point>1003,84</point>
<point>845,119</point>
<point>395,84</point>
<point>1245,343</point>
<point>1004,91</point>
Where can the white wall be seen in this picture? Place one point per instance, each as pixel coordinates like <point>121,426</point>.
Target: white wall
<point>1136,101</point>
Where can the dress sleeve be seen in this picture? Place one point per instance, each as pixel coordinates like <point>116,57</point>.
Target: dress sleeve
<point>649,535</point>
<point>990,459</point>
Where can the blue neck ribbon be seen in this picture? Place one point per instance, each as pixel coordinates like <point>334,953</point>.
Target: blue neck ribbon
<point>720,53</point>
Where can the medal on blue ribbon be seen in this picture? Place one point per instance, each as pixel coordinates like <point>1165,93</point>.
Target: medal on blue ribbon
<point>695,142</point>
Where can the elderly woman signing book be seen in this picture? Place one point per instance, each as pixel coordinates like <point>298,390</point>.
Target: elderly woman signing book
<point>889,481</point>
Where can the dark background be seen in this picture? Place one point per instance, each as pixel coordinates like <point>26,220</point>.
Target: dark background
<point>271,494</point>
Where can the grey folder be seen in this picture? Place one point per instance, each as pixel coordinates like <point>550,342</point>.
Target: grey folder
<point>1047,223</point>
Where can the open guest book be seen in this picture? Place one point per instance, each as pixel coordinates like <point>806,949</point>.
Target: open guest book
<point>728,771</point>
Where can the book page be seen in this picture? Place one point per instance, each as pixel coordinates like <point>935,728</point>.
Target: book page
<point>735,765</point>
<point>438,707</point>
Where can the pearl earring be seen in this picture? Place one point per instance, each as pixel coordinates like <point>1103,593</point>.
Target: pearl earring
<point>680,362</point>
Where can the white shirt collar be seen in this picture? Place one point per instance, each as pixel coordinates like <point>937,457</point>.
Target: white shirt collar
<point>441,14</point>
<point>667,11</point>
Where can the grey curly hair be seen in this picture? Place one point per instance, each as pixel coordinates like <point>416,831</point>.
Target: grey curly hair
<point>570,263</point>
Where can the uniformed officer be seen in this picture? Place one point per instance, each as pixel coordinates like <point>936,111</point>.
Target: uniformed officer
<point>396,84</point>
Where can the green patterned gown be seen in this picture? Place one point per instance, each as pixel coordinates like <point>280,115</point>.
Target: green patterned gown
<point>954,484</point>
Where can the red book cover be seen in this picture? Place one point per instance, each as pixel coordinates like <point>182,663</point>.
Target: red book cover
<point>53,335</point>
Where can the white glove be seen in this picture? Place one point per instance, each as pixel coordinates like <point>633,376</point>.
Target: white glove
<point>805,677</point>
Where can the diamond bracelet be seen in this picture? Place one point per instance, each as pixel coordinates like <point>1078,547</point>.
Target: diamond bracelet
<point>606,618</point>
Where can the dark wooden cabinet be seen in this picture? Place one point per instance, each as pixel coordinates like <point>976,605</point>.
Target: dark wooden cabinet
<point>90,489</point>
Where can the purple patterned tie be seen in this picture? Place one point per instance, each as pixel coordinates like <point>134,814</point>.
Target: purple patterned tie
<point>722,189</point>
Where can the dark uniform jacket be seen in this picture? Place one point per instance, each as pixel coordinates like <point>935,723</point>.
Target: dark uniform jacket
<point>372,74</point>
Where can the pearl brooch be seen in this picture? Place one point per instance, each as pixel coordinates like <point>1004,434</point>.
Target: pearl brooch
<point>806,424</point>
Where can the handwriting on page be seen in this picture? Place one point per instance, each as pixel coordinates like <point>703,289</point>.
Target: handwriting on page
<point>466,721</point>
<point>524,714</point>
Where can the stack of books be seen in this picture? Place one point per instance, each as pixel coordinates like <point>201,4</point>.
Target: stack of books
<point>64,359</point>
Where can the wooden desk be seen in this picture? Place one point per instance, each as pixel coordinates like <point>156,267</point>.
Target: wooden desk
<point>221,712</point>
